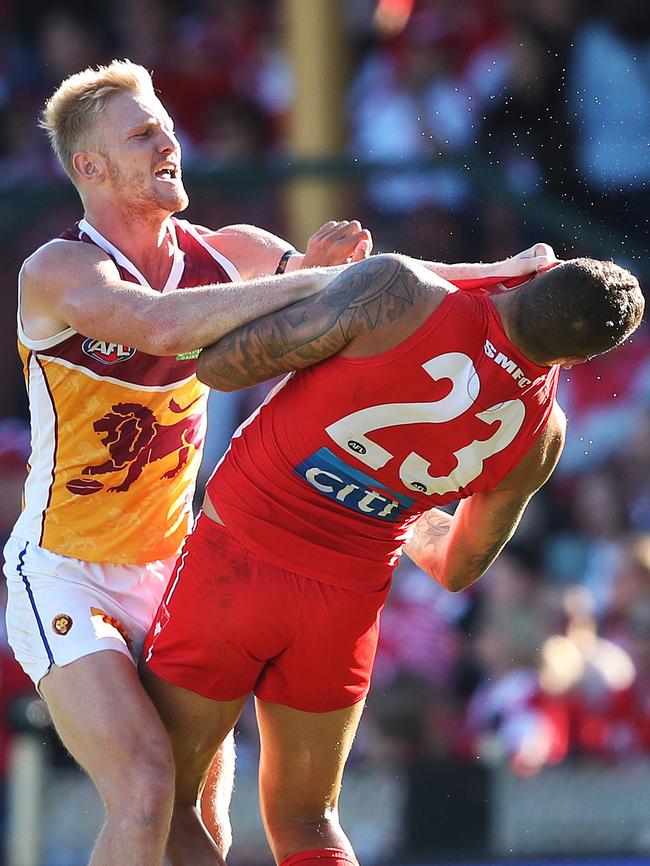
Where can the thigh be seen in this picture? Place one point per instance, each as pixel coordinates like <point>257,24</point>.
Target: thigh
<point>213,632</point>
<point>328,663</point>
<point>302,760</point>
<point>197,726</point>
<point>61,609</point>
<point>105,718</point>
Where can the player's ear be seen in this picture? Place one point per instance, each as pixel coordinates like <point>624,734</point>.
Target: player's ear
<point>89,166</point>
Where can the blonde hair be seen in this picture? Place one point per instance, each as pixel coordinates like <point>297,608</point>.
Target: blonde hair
<point>78,101</point>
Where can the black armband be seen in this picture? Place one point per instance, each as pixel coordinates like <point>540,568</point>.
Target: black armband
<point>282,264</point>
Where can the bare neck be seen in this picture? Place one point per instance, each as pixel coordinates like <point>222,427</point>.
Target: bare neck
<point>504,304</point>
<point>143,240</point>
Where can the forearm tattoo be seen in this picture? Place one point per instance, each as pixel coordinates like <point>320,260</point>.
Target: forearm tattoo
<point>362,298</point>
<point>430,528</point>
<point>505,524</point>
<point>466,565</point>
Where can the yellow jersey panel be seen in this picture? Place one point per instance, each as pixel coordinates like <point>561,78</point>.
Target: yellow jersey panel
<point>117,435</point>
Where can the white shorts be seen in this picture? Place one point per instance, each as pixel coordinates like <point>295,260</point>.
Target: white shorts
<point>60,609</point>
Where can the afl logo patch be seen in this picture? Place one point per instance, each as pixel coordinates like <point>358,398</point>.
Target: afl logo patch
<point>62,623</point>
<point>107,353</point>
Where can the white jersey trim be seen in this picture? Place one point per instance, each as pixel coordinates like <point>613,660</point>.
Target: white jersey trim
<point>42,458</point>
<point>225,263</point>
<point>178,263</point>
<point>46,342</point>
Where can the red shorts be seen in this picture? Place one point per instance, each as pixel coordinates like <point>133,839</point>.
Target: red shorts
<point>230,624</point>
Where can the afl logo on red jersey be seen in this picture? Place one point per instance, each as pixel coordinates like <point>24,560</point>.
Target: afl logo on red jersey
<point>107,353</point>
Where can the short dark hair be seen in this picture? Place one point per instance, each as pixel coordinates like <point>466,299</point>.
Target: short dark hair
<point>581,307</point>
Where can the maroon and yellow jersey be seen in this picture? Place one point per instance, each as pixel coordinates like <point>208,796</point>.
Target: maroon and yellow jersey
<point>328,475</point>
<point>116,433</point>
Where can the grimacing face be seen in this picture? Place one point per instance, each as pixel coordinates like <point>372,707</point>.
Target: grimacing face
<point>134,137</point>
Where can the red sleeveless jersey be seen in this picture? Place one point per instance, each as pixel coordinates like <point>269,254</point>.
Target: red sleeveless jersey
<point>326,477</point>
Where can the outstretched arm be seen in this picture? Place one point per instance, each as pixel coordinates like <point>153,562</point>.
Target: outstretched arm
<point>71,284</point>
<point>367,299</point>
<point>457,550</point>
<point>539,257</point>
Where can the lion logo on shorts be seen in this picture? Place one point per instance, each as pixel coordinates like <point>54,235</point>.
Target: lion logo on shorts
<point>135,438</point>
<point>62,623</point>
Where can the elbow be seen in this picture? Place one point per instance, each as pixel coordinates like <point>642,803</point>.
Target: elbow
<point>164,345</point>
<point>169,337</point>
<point>160,336</point>
<point>208,373</point>
<point>459,582</point>
<point>165,338</point>
<point>455,586</point>
<point>454,582</point>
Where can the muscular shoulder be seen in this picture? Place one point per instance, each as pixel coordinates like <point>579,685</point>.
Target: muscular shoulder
<point>56,259</point>
<point>393,296</point>
<point>255,252</point>
<point>59,265</point>
<point>51,273</point>
<point>542,458</point>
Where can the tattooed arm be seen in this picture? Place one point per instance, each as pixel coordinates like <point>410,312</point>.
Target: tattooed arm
<point>457,550</point>
<point>364,309</point>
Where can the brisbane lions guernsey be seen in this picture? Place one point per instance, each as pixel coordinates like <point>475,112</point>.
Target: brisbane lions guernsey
<point>116,433</point>
<point>327,476</point>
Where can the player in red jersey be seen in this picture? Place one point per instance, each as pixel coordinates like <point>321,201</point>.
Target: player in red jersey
<point>402,394</point>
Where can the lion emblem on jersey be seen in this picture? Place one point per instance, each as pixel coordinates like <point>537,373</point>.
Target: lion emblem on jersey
<point>135,438</point>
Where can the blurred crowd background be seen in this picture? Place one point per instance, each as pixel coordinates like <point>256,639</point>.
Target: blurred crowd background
<point>473,129</point>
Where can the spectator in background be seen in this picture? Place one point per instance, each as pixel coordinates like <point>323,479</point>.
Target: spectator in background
<point>14,684</point>
<point>629,590</point>
<point>585,550</point>
<point>626,714</point>
<point>432,84</point>
<point>609,97</point>
<point>68,42</point>
<point>581,672</point>
<point>607,404</point>
<point>236,130</point>
<point>526,131</point>
<point>14,453</point>
<point>510,716</point>
<point>417,627</point>
<point>412,711</point>
<point>632,466</point>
